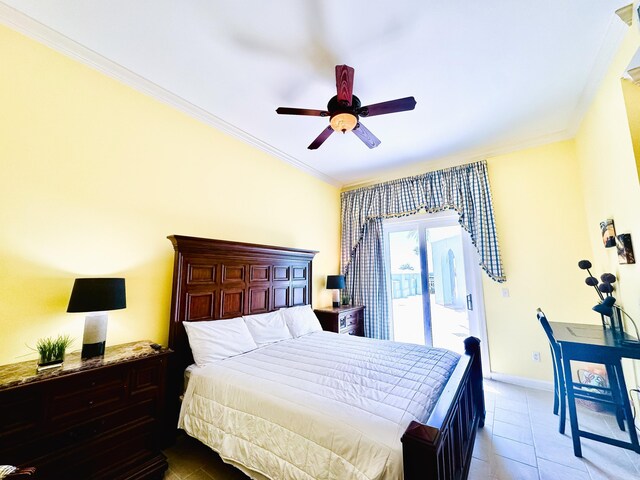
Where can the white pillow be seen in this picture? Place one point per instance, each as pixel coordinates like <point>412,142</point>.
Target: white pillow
<point>215,340</point>
<point>267,328</point>
<point>301,320</point>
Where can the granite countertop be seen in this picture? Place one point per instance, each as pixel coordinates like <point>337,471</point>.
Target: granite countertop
<point>25,372</point>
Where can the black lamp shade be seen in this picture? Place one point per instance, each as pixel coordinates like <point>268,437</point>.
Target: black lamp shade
<point>606,307</point>
<point>335,282</point>
<point>97,295</point>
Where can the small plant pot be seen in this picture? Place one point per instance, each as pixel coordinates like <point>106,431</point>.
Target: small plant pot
<point>50,364</point>
<point>51,351</point>
<point>346,299</point>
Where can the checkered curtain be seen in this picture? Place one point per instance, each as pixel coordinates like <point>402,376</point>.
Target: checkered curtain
<point>464,189</point>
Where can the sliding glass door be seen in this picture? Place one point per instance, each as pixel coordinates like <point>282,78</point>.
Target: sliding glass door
<point>405,267</point>
<point>433,281</point>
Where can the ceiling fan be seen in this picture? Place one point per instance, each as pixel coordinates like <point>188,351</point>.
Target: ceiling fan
<point>345,110</point>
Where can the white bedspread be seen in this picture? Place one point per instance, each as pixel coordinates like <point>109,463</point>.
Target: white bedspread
<point>322,406</point>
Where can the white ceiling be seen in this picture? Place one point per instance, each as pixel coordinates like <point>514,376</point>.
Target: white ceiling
<point>488,76</point>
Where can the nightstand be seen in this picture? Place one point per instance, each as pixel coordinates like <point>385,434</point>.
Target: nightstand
<point>100,418</point>
<point>346,319</point>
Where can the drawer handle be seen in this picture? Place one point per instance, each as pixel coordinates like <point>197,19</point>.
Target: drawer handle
<point>91,403</point>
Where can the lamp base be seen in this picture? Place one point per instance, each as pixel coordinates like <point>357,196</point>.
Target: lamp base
<point>336,298</point>
<point>90,350</point>
<point>95,334</point>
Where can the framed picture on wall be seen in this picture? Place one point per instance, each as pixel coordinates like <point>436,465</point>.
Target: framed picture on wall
<point>625,249</point>
<point>608,233</point>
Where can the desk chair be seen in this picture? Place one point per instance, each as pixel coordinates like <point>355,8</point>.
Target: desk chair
<point>608,396</point>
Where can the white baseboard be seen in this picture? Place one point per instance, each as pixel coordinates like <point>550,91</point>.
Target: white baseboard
<point>522,381</point>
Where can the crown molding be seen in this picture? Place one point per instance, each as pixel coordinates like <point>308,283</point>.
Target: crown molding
<point>626,13</point>
<point>634,74</point>
<point>36,30</point>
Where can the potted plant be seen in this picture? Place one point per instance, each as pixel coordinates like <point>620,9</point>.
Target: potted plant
<point>51,351</point>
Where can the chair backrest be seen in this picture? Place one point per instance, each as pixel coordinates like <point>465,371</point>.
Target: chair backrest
<point>542,318</point>
<point>555,348</point>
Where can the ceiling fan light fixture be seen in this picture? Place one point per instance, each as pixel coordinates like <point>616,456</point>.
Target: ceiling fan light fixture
<point>345,109</point>
<point>344,122</point>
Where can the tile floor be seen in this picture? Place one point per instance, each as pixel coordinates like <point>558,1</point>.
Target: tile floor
<point>520,441</point>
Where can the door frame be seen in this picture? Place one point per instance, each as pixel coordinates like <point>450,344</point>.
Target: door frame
<point>473,273</point>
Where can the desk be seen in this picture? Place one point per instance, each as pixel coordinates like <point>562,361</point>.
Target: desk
<point>593,343</point>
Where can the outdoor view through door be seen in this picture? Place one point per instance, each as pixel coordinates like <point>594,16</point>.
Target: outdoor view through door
<point>430,294</point>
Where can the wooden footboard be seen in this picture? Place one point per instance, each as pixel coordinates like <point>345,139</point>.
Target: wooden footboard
<point>442,448</point>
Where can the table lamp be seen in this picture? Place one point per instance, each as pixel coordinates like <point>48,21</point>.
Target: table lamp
<point>335,283</point>
<point>607,308</point>
<point>96,296</point>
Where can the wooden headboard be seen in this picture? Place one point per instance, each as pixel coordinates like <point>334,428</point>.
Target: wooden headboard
<point>216,279</point>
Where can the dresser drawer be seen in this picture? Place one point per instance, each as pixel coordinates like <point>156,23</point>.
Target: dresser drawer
<point>146,379</point>
<point>20,415</point>
<point>103,455</point>
<point>57,442</point>
<point>353,330</point>
<point>348,319</point>
<point>87,397</point>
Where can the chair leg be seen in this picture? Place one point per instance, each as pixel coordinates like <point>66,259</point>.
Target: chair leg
<point>620,418</point>
<point>626,405</point>
<point>556,390</point>
<point>562,397</point>
<point>563,414</point>
<point>617,395</point>
<point>571,403</point>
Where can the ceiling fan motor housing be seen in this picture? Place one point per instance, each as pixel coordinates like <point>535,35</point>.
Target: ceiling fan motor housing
<point>334,106</point>
<point>343,117</point>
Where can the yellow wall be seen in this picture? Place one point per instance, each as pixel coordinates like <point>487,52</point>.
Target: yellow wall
<point>543,234</point>
<point>631,93</point>
<point>94,176</point>
<point>609,175</point>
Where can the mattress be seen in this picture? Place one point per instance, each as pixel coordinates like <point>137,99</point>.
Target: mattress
<point>322,406</point>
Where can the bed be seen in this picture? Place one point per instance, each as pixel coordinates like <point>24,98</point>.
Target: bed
<point>216,280</point>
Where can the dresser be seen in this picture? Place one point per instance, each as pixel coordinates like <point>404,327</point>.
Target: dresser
<point>345,319</point>
<point>99,418</point>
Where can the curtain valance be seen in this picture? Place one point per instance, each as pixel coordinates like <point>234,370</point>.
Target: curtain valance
<point>464,189</point>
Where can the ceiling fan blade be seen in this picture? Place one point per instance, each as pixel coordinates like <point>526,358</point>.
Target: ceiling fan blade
<point>301,111</point>
<point>369,139</point>
<point>392,106</point>
<point>344,83</point>
<point>321,138</point>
